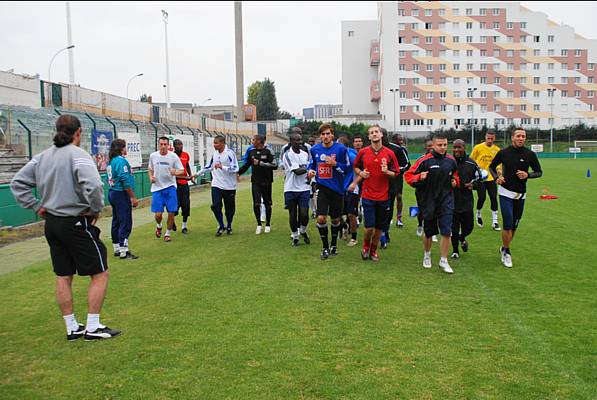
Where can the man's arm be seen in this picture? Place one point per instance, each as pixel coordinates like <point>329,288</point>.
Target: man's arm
<point>415,174</point>
<point>497,160</point>
<point>248,162</point>
<point>271,161</point>
<point>233,167</point>
<point>89,180</point>
<point>536,167</point>
<point>22,185</point>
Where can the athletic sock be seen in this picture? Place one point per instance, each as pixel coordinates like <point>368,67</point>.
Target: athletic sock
<point>323,233</point>
<point>428,254</point>
<point>494,217</point>
<point>116,247</point>
<point>159,225</point>
<point>443,259</point>
<point>92,322</point>
<point>71,322</point>
<point>365,246</point>
<point>335,231</point>
<point>295,235</point>
<point>478,213</point>
<point>373,248</point>
<point>303,229</point>
<point>184,225</point>
<point>506,250</point>
<point>167,232</point>
<point>123,251</point>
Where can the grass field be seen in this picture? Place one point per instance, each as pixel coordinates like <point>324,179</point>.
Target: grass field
<point>249,317</point>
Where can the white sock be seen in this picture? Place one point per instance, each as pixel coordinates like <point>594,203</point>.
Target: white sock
<point>494,216</point>
<point>303,229</point>
<point>92,322</point>
<point>167,232</point>
<point>478,213</point>
<point>427,254</point>
<point>295,235</point>
<point>71,323</point>
<point>443,259</point>
<point>159,225</point>
<point>184,225</point>
<point>116,247</point>
<point>123,251</point>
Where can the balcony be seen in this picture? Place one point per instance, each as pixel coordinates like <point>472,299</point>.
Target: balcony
<point>375,90</point>
<point>374,53</point>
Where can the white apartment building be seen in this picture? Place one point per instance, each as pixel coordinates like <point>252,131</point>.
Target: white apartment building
<point>442,64</point>
<point>322,111</point>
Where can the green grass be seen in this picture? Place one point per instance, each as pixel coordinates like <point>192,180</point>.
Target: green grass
<point>247,317</point>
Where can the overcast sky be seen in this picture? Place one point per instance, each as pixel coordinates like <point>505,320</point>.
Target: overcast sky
<point>295,44</point>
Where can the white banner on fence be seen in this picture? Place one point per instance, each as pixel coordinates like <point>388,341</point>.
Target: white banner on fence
<point>133,147</point>
<point>537,148</point>
<point>187,147</point>
<point>209,149</point>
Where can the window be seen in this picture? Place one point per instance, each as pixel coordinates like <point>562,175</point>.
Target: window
<point>497,80</point>
<point>428,39</point>
<point>402,109</point>
<point>510,93</point>
<point>469,67</point>
<point>418,122</point>
<point>401,26</point>
<point>523,25</point>
<point>510,121</point>
<point>550,66</point>
<point>415,81</point>
<point>564,53</point>
<point>400,39</point>
<point>496,39</point>
<point>441,12</point>
<point>564,79</point>
<point>428,13</point>
<point>442,80</point>
<point>590,79</point>
<point>457,108</point>
<point>402,53</point>
<point>456,67</point>
<point>429,122</point>
<point>429,67</point>
<point>497,108</point>
<point>402,67</point>
<point>483,108</point>
<point>536,66</point>
<point>496,52</point>
<point>482,11</point>
<point>577,66</point>
<point>577,79</point>
<point>536,93</point>
<point>483,39</point>
<point>469,25</point>
<point>523,80</point>
<point>591,66</point>
<point>414,53</point>
<point>499,121</point>
<point>416,95</point>
<point>456,12</point>
<point>469,53</point>
<point>509,25</point>
<point>442,39</point>
<point>536,80</point>
<point>469,39</point>
<point>442,67</point>
<point>523,93</point>
<point>414,26</point>
<point>550,79</point>
<point>523,66</point>
<point>496,66</point>
<point>456,94</point>
<point>483,78</point>
<point>428,25</point>
<point>443,121</point>
<point>536,39</point>
<point>441,26</point>
<point>442,53</point>
<point>537,52</point>
<point>525,121</point>
<point>483,67</point>
<point>510,108</point>
<point>496,11</point>
<point>455,39</point>
<point>550,38</point>
<point>415,67</point>
<point>429,108</point>
<point>402,81</point>
<point>350,33</point>
<point>510,80</point>
<point>415,12</point>
<point>577,93</point>
<point>523,53</point>
<point>496,25</point>
<point>509,53</point>
<point>455,25</point>
<point>483,94</point>
<point>401,12</point>
<point>564,66</point>
<point>404,122</point>
<point>577,53</point>
<point>482,25</point>
<point>402,94</point>
<point>564,93</point>
<point>510,66</point>
<point>469,11</point>
<point>523,38</point>
<point>442,95</point>
<point>537,121</point>
<point>536,107</point>
<point>510,39</point>
<point>429,81</point>
<point>550,52</point>
<point>429,53</point>
<point>415,40</point>
<point>590,93</point>
<point>456,81</point>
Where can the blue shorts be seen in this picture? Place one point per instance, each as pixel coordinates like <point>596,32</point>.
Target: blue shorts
<point>375,213</point>
<point>164,198</point>
<point>301,197</point>
<point>511,212</point>
<point>441,225</point>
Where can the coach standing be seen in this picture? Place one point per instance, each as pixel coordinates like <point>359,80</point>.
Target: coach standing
<point>71,198</point>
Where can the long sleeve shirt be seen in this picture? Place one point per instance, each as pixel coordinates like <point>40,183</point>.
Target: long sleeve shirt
<point>514,159</point>
<point>327,175</point>
<point>223,178</point>
<point>262,173</point>
<point>67,182</point>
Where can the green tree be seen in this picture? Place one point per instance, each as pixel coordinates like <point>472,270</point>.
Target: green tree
<point>266,103</point>
<point>284,115</point>
<point>253,92</point>
<point>144,98</point>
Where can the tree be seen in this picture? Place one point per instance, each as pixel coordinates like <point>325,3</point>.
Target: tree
<point>284,115</point>
<point>144,98</point>
<point>266,102</point>
<point>253,92</point>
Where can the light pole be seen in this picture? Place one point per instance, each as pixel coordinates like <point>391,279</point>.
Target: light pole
<point>72,46</point>
<point>472,92</point>
<point>129,82</point>
<point>167,86</point>
<point>205,101</point>
<point>394,92</point>
<point>551,94</point>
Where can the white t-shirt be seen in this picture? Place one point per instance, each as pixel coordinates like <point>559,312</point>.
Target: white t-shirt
<point>291,161</point>
<point>161,166</point>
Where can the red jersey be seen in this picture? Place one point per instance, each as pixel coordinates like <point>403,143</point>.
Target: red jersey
<point>376,187</point>
<point>184,159</point>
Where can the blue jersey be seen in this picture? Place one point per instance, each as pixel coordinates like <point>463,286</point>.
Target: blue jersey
<point>326,175</point>
<point>349,176</point>
<point>120,176</point>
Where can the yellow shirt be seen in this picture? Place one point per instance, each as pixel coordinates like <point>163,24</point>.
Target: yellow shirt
<point>484,155</point>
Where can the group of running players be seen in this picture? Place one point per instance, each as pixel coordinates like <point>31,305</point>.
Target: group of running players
<point>345,183</point>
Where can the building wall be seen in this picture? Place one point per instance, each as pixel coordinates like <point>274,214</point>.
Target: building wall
<point>326,110</point>
<point>435,51</point>
<point>308,113</point>
<point>357,73</point>
<point>19,90</point>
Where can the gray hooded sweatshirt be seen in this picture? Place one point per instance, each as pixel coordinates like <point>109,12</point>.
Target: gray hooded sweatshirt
<point>67,181</point>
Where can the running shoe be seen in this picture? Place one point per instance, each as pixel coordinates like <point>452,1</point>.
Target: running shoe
<point>333,251</point>
<point>185,231</point>
<point>268,229</point>
<point>220,231</point>
<point>102,333</point>
<point>229,231</point>
<point>352,243</point>
<point>419,231</point>
<point>306,238</point>
<point>427,262</point>
<point>455,255</point>
<point>496,226</point>
<point>325,253</point>
<point>74,335</point>
<point>364,255</point>
<point>464,245</point>
<point>374,257</point>
<point>158,234</point>
<point>258,230</point>
<point>167,238</point>
<point>295,242</point>
<point>480,222</point>
<point>445,266</point>
<point>399,223</point>
<point>128,255</point>
<point>434,238</point>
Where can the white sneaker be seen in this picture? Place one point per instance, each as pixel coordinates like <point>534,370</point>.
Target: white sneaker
<point>426,262</point>
<point>434,238</point>
<point>419,231</point>
<point>507,260</point>
<point>445,266</point>
<point>268,229</point>
<point>258,230</point>
<point>352,243</point>
<point>455,255</point>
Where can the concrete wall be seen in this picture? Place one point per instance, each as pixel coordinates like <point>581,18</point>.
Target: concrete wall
<point>19,90</point>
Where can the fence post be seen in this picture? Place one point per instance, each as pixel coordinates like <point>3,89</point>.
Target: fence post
<point>134,124</point>
<point>92,120</point>
<point>169,130</point>
<point>156,135</point>
<point>113,127</point>
<point>180,129</point>
<point>57,112</point>
<point>30,155</point>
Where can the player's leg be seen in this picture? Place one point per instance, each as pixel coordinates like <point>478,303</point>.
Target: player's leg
<point>466,228</point>
<point>114,232</point>
<point>481,196</point>
<point>292,204</point>
<point>230,206</point>
<point>266,193</point>
<point>430,229</point>
<point>323,208</point>
<point>385,235</point>
<point>507,209</point>
<point>157,207</point>
<point>445,230</point>
<point>125,216</point>
<point>216,207</point>
<point>336,208</point>
<point>256,194</point>
<point>383,217</point>
<point>171,200</point>
<point>185,206</point>
<point>492,193</point>
<point>455,235</point>
<point>399,204</point>
<point>304,216</point>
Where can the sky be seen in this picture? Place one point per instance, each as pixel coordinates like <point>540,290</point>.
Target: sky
<point>295,44</point>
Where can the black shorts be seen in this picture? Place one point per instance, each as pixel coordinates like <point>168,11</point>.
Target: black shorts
<point>75,246</point>
<point>399,182</point>
<point>351,204</point>
<point>184,200</point>
<point>329,202</point>
<point>262,191</point>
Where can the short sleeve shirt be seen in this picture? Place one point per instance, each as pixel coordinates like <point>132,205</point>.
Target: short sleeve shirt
<point>161,166</point>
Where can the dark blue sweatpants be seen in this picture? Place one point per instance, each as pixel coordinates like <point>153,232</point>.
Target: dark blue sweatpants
<point>122,216</point>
